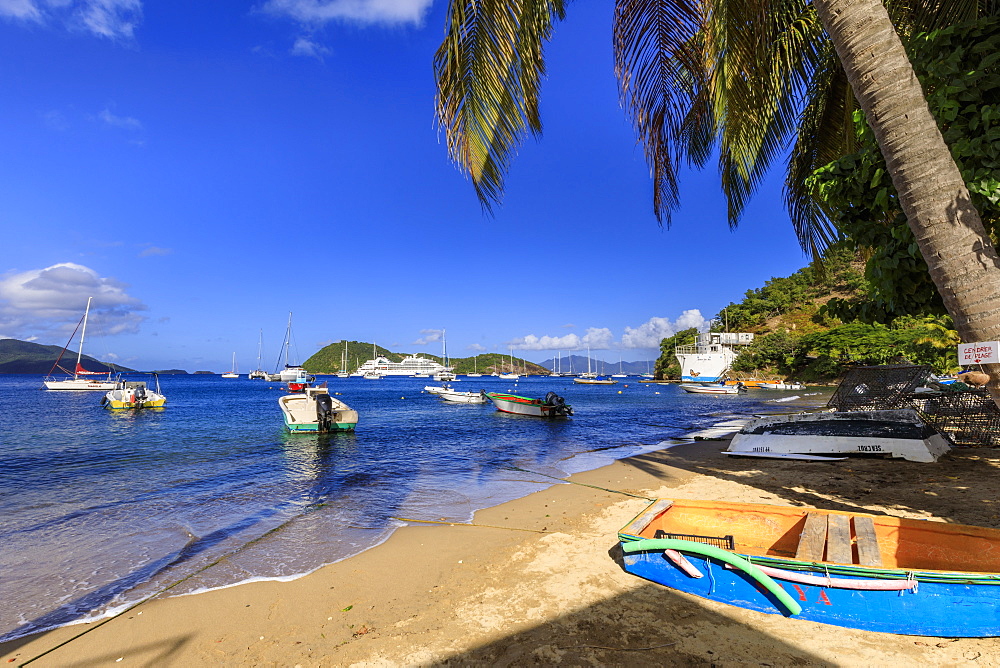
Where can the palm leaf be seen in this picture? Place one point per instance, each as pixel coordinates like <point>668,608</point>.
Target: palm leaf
<point>489,69</point>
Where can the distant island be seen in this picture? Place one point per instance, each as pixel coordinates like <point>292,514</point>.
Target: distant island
<point>32,358</point>
<point>328,360</point>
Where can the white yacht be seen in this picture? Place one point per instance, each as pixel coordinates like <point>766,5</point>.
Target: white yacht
<point>412,365</point>
<point>707,360</point>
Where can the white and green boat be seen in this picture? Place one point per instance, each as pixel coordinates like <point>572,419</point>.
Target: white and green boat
<point>314,411</point>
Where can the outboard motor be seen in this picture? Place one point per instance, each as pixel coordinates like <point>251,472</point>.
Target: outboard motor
<point>324,412</point>
<point>558,404</point>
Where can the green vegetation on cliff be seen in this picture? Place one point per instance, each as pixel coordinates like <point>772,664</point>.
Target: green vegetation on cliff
<point>797,338</point>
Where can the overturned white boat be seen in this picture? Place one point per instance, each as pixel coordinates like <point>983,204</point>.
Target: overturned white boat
<point>894,433</point>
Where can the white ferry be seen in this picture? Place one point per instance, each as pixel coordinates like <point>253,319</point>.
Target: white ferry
<point>707,360</point>
<point>411,365</point>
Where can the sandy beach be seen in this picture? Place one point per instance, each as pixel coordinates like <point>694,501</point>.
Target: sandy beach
<point>534,581</point>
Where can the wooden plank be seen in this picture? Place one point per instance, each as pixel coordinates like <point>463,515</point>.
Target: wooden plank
<point>812,538</point>
<point>868,550</point>
<point>838,539</point>
<point>642,521</point>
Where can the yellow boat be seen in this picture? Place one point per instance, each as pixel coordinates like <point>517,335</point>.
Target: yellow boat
<point>134,394</point>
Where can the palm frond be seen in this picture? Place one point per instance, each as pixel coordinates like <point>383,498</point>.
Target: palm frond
<point>658,60</point>
<point>826,133</point>
<point>489,69</point>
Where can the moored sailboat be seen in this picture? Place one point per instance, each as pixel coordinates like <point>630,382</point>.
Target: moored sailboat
<point>78,381</point>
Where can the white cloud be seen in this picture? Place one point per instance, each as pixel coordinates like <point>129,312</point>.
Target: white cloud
<point>305,46</point>
<point>47,303</point>
<point>113,19</point>
<point>650,333</point>
<point>318,12</point>
<point>596,338</point>
<point>125,122</point>
<point>24,10</point>
<point>154,250</point>
<point>429,336</point>
<point>476,348</point>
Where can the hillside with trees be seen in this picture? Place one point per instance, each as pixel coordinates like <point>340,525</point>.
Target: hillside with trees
<point>799,337</point>
<point>328,360</point>
<point>26,357</point>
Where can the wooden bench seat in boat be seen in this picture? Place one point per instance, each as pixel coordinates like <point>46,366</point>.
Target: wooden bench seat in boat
<point>829,535</point>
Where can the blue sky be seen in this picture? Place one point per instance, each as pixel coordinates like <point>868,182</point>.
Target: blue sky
<point>203,168</point>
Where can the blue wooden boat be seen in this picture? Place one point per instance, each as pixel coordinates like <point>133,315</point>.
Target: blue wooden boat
<point>855,570</point>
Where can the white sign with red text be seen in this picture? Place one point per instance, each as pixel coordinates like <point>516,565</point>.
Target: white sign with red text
<point>984,352</point>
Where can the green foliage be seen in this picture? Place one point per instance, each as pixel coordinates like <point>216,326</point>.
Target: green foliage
<point>781,295</point>
<point>774,351</point>
<point>666,364</point>
<point>958,69</point>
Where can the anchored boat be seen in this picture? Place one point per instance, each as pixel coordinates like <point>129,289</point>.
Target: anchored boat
<point>854,570</point>
<point>78,381</point>
<point>705,388</point>
<point>459,397</point>
<point>314,411</point>
<point>551,406</point>
<point>134,394</point>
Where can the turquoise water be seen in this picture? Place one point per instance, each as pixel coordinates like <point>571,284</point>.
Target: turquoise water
<point>99,509</point>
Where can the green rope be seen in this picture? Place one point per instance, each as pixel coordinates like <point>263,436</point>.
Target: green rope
<point>650,544</point>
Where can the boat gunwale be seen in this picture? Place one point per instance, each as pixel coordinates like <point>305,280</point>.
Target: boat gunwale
<point>832,568</point>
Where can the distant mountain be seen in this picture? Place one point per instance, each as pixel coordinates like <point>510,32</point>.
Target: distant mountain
<point>26,357</point>
<point>578,364</point>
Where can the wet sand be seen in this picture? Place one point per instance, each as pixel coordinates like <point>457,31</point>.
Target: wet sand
<point>534,581</point>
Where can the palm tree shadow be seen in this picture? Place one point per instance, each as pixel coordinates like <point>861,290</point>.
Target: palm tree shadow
<point>650,625</point>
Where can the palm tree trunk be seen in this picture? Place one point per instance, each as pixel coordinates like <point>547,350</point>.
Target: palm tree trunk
<point>963,262</point>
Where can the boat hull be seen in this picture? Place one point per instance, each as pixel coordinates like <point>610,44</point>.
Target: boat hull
<point>933,609</point>
<point>512,403</point>
<point>905,587</point>
<point>80,384</point>
<point>302,417</point>
<point>463,397</point>
<point>897,433</point>
<point>695,388</point>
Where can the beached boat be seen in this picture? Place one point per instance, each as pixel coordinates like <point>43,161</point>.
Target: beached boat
<point>894,433</point>
<point>458,397</point>
<point>131,394</point>
<point>234,373</point>
<point>551,406</point>
<point>79,380</point>
<point>854,570</point>
<point>315,411</point>
<point>713,388</point>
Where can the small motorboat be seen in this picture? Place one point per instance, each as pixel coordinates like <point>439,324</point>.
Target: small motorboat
<point>779,385</point>
<point>458,397</point>
<point>551,406</point>
<point>134,394</point>
<point>713,388</point>
<point>437,389</point>
<point>314,411</point>
<point>869,572</point>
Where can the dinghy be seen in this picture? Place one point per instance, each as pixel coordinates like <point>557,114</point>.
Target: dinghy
<point>551,406</point>
<point>459,397</point>
<point>713,388</point>
<point>131,394</point>
<point>314,411</point>
<point>854,570</point>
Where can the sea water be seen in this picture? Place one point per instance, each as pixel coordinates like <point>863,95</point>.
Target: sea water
<point>100,509</point>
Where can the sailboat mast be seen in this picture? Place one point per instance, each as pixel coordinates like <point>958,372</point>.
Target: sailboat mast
<point>83,335</point>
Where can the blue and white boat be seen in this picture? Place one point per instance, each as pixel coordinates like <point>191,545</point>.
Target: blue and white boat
<point>710,357</point>
<point>855,570</point>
